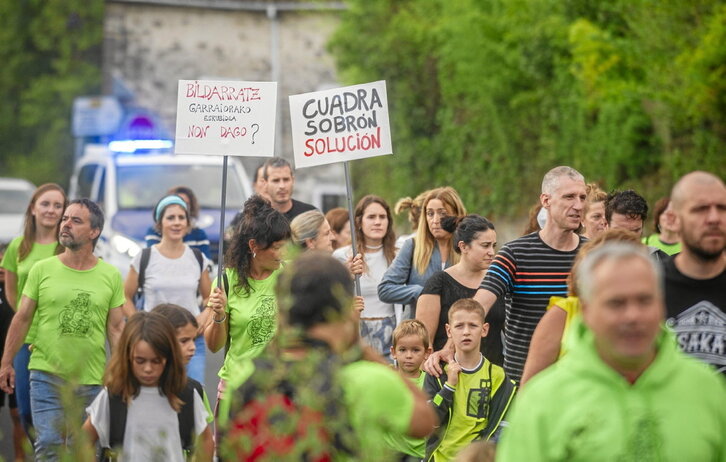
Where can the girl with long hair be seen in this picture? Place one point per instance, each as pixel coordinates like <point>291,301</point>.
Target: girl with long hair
<point>39,241</point>
<point>431,250</point>
<point>376,241</point>
<point>146,377</point>
<point>476,242</point>
<point>173,274</point>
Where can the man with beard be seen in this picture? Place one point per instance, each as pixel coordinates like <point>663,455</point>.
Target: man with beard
<point>696,277</point>
<point>77,299</point>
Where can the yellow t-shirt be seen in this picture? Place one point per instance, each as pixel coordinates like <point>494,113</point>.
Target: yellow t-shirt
<point>572,308</point>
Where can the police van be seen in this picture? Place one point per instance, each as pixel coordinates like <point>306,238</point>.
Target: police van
<point>127,179</point>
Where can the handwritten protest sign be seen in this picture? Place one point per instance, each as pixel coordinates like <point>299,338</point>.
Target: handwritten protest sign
<point>341,124</point>
<point>226,118</point>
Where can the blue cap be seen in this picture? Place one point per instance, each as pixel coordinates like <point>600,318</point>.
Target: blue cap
<point>167,201</point>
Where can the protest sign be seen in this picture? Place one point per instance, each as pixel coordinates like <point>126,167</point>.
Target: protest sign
<point>340,124</point>
<point>226,118</point>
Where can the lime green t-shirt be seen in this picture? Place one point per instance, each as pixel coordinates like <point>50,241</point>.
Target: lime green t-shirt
<point>71,314</point>
<point>378,403</point>
<point>22,268</point>
<point>654,240</point>
<point>470,411</point>
<point>252,324</point>
<point>407,444</point>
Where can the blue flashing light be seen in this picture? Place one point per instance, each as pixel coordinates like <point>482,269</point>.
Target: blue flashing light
<point>139,145</point>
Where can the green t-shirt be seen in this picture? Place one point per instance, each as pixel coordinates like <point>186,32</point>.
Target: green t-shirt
<point>22,268</point>
<point>252,324</point>
<point>378,403</point>
<point>654,240</point>
<point>407,444</point>
<point>71,315</point>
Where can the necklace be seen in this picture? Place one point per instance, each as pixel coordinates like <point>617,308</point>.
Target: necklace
<point>374,247</point>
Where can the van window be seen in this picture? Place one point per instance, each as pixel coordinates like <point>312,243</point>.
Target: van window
<point>85,180</point>
<point>141,186</point>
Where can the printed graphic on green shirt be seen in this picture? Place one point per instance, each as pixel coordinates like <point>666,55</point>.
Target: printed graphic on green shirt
<point>478,400</point>
<point>262,324</point>
<point>75,316</point>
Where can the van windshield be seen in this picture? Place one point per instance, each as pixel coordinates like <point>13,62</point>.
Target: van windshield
<point>141,186</point>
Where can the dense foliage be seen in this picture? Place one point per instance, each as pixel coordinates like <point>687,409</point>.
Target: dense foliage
<point>488,95</point>
<point>50,53</point>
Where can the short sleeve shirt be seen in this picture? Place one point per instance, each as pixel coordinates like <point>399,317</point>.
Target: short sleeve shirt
<point>152,425</point>
<point>21,268</point>
<point>252,324</point>
<point>378,402</point>
<point>71,315</point>
<point>171,280</point>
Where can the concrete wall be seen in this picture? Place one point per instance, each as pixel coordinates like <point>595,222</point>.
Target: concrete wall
<point>149,46</point>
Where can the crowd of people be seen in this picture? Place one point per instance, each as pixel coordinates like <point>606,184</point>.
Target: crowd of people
<point>580,340</point>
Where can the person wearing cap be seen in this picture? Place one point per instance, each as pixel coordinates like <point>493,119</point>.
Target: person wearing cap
<point>174,273</point>
<point>75,299</point>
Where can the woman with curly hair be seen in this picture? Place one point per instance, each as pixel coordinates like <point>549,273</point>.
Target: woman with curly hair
<point>245,312</point>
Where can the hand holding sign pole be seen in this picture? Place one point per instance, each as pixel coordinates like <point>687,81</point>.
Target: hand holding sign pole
<point>226,118</point>
<point>340,125</point>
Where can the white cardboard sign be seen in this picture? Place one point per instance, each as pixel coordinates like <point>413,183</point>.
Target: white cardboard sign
<point>234,118</point>
<point>340,124</point>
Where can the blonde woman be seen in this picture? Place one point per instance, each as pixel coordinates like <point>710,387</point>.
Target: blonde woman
<point>431,250</point>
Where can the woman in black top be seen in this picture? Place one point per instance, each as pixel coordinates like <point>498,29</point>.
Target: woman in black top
<point>475,239</point>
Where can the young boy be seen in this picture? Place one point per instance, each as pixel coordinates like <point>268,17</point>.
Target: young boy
<point>472,395</point>
<point>410,349</point>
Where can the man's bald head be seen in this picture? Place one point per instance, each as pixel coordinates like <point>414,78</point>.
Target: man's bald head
<point>682,188</point>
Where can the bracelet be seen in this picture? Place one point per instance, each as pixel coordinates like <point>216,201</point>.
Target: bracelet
<point>221,320</point>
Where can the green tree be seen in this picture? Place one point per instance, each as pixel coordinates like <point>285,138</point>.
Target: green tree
<point>51,54</point>
<point>487,96</point>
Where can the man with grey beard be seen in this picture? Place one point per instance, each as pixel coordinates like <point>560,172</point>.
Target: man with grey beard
<point>75,299</point>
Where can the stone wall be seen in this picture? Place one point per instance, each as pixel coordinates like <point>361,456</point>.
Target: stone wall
<point>149,46</point>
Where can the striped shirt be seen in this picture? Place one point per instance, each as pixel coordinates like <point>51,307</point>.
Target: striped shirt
<point>529,272</point>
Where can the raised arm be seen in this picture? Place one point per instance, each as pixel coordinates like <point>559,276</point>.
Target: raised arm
<point>215,334</point>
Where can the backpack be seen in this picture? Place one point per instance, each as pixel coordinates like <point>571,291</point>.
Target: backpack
<point>145,256</point>
<point>117,422</point>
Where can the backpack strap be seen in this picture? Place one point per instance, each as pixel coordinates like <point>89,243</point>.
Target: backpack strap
<point>186,414</point>
<point>200,259</point>
<point>145,256</point>
<point>117,421</point>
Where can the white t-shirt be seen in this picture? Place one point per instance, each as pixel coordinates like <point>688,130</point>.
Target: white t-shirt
<point>152,425</point>
<point>376,265</point>
<point>171,280</point>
